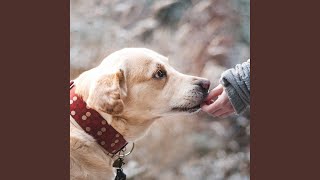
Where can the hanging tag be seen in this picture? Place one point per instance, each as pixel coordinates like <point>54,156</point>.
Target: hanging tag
<point>118,163</point>
<point>120,175</point>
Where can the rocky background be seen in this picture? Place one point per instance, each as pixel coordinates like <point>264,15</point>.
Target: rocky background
<point>200,37</point>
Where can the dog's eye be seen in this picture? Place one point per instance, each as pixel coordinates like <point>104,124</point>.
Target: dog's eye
<point>160,74</point>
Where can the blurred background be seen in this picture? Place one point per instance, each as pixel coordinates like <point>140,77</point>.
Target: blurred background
<point>200,37</point>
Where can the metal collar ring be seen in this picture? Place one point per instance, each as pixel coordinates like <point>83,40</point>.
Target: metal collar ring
<point>126,154</point>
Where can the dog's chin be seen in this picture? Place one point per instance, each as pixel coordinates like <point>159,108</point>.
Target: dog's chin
<point>192,109</point>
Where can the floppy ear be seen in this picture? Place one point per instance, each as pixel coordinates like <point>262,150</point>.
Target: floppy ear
<point>107,92</point>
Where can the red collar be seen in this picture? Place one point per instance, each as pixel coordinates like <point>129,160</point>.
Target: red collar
<point>94,124</point>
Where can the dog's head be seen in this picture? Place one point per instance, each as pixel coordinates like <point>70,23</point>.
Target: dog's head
<point>140,82</point>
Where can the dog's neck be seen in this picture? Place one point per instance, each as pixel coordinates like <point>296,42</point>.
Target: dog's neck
<point>94,124</point>
<point>131,127</point>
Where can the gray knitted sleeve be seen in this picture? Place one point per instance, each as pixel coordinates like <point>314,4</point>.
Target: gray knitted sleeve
<point>237,84</point>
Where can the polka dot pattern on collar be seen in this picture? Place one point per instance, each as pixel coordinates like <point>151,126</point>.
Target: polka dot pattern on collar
<point>94,124</point>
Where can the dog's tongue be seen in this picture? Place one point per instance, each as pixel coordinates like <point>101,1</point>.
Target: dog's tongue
<point>208,102</point>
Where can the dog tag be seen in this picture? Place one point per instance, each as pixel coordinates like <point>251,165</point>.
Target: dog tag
<point>118,163</point>
<point>120,175</point>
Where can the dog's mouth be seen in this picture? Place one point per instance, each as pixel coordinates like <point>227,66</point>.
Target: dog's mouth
<point>187,109</point>
<point>191,109</point>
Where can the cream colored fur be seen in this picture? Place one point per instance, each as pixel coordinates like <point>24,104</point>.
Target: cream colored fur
<point>124,90</point>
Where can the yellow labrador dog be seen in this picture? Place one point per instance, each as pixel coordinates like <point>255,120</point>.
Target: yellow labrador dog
<point>127,92</point>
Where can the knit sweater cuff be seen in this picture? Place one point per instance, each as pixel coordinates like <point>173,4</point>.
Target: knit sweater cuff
<point>238,104</point>
<point>235,99</point>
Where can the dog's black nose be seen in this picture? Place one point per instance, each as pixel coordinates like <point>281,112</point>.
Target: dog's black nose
<point>204,84</point>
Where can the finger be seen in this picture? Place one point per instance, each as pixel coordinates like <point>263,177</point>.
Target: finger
<point>221,112</point>
<point>214,92</point>
<point>225,102</point>
<point>229,113</point>
<point>212,108</point>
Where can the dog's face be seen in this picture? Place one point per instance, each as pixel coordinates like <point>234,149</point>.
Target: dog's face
<point>140,82</point>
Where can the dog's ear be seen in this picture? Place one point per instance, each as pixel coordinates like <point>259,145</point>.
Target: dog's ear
<point>107,92</point>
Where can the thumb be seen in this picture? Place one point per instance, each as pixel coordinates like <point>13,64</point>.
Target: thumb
<point>214,92</point>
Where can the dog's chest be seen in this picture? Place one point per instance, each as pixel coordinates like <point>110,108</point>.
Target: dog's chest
<point>87,159</point>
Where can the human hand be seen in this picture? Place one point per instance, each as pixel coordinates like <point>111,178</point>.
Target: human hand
<point>217,103</point>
